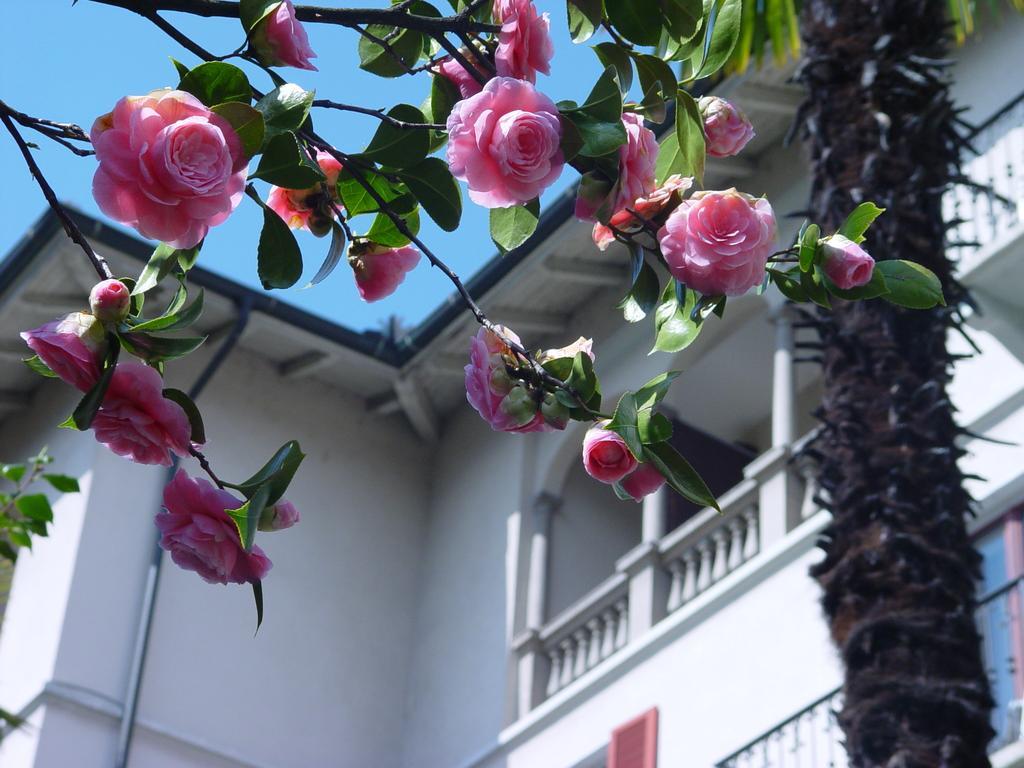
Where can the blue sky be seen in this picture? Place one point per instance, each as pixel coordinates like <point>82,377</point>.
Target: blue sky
<point>74,62</point>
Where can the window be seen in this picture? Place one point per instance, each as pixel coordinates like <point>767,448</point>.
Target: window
<point>635,744</point>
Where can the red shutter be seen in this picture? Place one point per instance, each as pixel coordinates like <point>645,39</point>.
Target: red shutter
<point>635,744</point>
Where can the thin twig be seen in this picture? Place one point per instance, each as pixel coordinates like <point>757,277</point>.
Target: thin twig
<point>205,464</point>
<point>456,54</point>
<point>62,133</point>
<point>98,262</point>
<point>380,114</point>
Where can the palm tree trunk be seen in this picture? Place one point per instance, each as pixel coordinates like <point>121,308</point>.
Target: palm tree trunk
<point>899,570</point>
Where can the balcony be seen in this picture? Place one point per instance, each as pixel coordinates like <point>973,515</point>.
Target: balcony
<point>812,736</point>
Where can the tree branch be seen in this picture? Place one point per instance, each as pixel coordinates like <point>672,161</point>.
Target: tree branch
<point>98,262</point>
<point>396,16</point>
<point>377,113</point>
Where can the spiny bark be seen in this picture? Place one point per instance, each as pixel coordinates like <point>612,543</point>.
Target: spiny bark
<point>899,570</point>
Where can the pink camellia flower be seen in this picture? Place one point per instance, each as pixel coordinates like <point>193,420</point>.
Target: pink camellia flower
<point>662,200</point>
<point>462,78</point>
<point>71,347</point>
<point>581,344</point>
<point>379,270</point>
<point>487,356</point>
<point>280,40</point>
<point>168,166</point>
<point>136,420</point>
<point>505,143</point>
<point>726,129</point>
<point>846,263</point>
<point>637,158</point>
<point>605,455</point>
<point>719,242</point>
<point>310,209</point>
<point>200,535</point>
<point>524,43</point>
<point>642,481</point>
<point>109,300</point>
<point>278,517</point>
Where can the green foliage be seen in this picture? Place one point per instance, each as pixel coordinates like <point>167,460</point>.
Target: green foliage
<point>195,418</point>
<point>357,200</point>
<point>81,418</point>
<point>252,12</point>
<point>910,284</point>
<point>644,290</point>
<point>216,82</point>
<point>286,108</point>
<point>511,227</point>
<point>247,122</point>
<point>395,147</point>
<point>720,37</point>
<point>25,514</point>
<point>859,220</point>
<point>398,50</point>
<point>584,18</point>
<point>808,246</point>
<point>334,254</point>
<point>164,260</point>
<point>437,191</point>
<point>598,121</point>
<point>675,326</point>
<point>278,258</point>
<point>286,163</point>
<point>384,231</point>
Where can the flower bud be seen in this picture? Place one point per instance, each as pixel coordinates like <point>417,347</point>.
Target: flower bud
<point>555,414</point>
<point>110,301</point>
<point>846,263</point>
<point>519,405</point>
<point>726,128</point>
<point>278,517</point>
<point>500,382</point>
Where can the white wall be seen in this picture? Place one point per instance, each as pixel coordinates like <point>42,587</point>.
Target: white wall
<point>324,680</point>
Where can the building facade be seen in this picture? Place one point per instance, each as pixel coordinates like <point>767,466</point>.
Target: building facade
<point>457,598</point>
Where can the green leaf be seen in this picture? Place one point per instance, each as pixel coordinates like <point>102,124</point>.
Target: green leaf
<point>722,38</point>
<point>875,288</point>
<point>624,424</point>
<point>585,18</point>
<point>511,227</point>
<point>20,538</point>
<point>247,122</point>
<point>159,349</point>
<point>809,246</point>
<point>598,137</point>
<point>642,296</point>
<point>689,136</point>
<point>81,418</point>
<point>175,320</point>
<point>910,284</point>
<point>653,427</point>
<point>636,20</point>
<point>334,254</point>
<point>279,260</point>
<point>398,147</point>
<point>605,99</point>
<point>789,284</point>
<point>859,220</point>
<point>355,197</point>
<point>814,286</point>
<point>277,473</point>
<point>216,82</point>
<point>385,232</point>
<point>658,84</point>
<point>285,164</point>
<point>252,12</point>
<point>195,418</point>
<point>675,329</point>
<point>444,95</point>
<point>160,264</point>
<point>181,69</point>
<point>247,516</point>
<point>681,18</point>
<point>38,366</point>
<point>583,381</point>
<point>437,191</point>
<point>62,483</point>
<point>284,109</point>
<point>35,506</point>
<point>612,55</point>
<point>13,472</point>
<point>257,596</point>
<point>403,49</point>
<point>679,474</point>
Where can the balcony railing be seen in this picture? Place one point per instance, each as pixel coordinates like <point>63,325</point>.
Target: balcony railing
<point>812,738</point>
<point>992,200</point>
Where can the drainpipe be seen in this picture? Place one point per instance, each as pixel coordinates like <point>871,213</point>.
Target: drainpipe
<point>131,696</point>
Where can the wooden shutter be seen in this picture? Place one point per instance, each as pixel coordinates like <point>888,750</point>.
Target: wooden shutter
<point>635,744</point>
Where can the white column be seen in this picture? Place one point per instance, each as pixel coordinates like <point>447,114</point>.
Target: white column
<point>655,509</point>
<point>534,665</point>
<point>783,379</point>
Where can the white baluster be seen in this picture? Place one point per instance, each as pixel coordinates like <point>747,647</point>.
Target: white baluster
<point>704,574</point>
<point>567,660</point>
<point>690,579</point>
<point>675,591</point>
<point>753,543</point>
<point>554,681</point>
<point>721,554</point>
<point>594,648</point>
<point>581,653</point>
<point>735,544</point>
<point>622,630</point>
<point>608,642</point>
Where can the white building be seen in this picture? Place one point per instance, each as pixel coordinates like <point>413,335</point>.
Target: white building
<point>457,598</point>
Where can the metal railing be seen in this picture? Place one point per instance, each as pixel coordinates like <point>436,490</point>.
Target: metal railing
<point>812,737</point>
<point>991,201</point>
